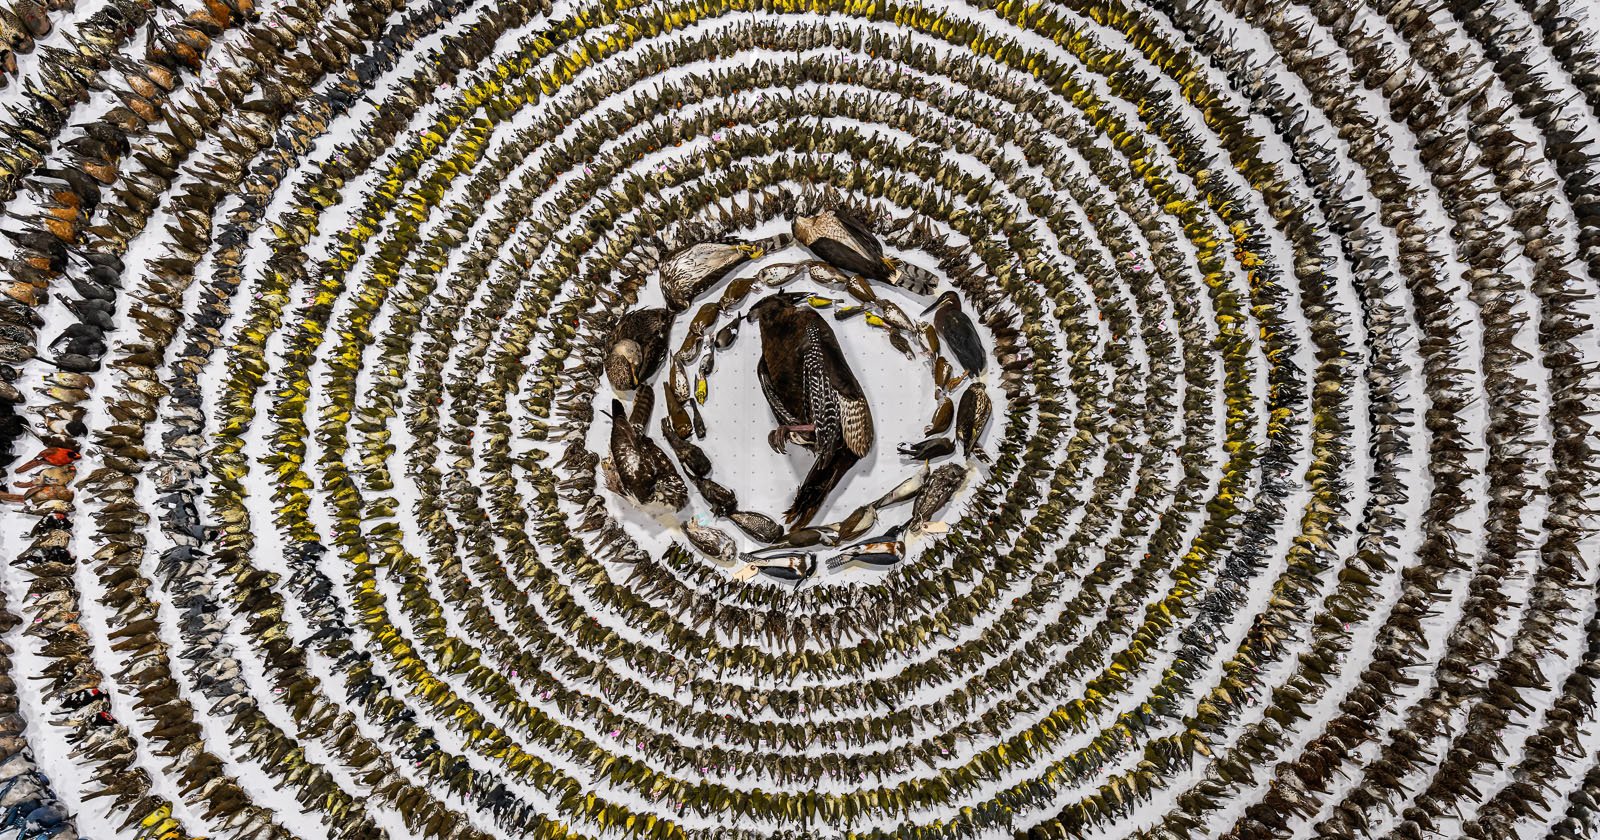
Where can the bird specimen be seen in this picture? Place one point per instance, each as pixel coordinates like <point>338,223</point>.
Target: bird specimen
<point>638,343</point>
<point>881,551</point>
<point>637,466</point>
<point>972,417</point>
<point>958,334</point>
<point>691,271</point>
<point>814,396</point>
<point>844,244</point>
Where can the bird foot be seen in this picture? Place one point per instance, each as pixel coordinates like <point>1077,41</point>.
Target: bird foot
<point>778,439</point>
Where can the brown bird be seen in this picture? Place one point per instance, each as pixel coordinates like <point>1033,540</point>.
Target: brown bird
<point>814,396</point>
<point>844,243</point>
<point>972,417</point>
<point>638,344</point>
<point>688,273</point>
<point>638,468</point>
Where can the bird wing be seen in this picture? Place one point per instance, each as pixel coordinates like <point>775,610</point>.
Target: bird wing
<point>863,237</point>
<point>856,420</point>
<point>644,405</point>
<point>837,405</point>
<point>962,338</point>
<point>625,450</point>
<point>841,255</point>
<point>773,398</point>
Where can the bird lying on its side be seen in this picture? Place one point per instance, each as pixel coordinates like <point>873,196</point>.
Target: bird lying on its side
<point>638,468</point>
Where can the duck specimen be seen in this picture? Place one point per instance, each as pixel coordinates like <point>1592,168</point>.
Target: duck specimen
<point>638,343</point>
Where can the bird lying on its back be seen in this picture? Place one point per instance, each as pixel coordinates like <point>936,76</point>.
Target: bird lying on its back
<point>814,396</point>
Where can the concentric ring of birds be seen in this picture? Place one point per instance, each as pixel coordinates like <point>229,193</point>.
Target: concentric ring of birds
<point>799,419</point>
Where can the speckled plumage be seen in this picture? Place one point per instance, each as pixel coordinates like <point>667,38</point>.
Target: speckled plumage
<point>688,273</point>
<point>639,468</point>
<point>959,334</point>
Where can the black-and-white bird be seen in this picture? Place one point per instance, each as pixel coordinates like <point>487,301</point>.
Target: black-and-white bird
<point>972,417</point>
<point>882,551</point>
<point>814,396</point>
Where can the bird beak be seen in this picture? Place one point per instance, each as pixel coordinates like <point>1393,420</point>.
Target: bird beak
<point>933,306</point>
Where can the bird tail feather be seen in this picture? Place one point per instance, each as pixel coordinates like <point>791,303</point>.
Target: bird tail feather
<point>774,243</point>
<point>914,279</point>
<point>820,481</point>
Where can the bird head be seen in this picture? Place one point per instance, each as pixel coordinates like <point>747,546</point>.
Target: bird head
<point>948,297</point>
<point>773,305</point>
<point>622,364</point>
<point>803,228</point>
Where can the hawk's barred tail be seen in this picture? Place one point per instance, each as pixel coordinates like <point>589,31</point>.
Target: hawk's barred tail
<point>912,278</point>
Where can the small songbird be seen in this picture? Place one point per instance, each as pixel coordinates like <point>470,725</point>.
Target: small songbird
<point>638,343</point>
<point>958,332</point>
<point>814,396</point>
<point>927,450</point>
<point>937,492</point>
<point>844,243</point>
<point>882,551</point>
<point>688,273</point>
<point>638,468</point>
<point>972,417</point>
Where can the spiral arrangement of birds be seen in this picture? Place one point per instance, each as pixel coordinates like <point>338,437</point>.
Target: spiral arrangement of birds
<point>366,372</point>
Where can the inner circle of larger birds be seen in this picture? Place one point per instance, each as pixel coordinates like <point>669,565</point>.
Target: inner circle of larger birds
<point>809,387</point>
<point>1283,527</point>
